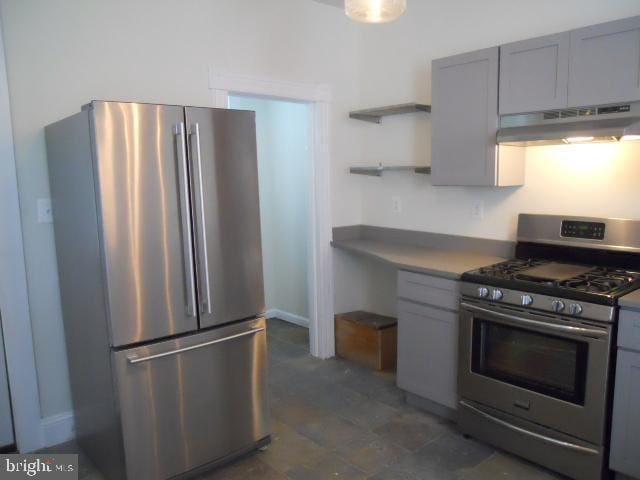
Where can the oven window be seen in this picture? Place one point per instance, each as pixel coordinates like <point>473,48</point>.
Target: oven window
<point>547,364</point>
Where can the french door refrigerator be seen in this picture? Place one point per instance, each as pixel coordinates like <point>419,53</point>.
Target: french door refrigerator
<point>157,231</point>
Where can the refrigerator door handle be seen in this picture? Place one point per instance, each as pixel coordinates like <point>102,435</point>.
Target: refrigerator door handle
<point>185,203</point>
<point>203,254</point>
<point>134,359</point>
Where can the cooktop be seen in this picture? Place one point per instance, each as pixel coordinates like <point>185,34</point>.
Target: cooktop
<point>597,284</point>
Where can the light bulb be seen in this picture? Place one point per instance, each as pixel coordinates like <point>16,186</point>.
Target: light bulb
<point>578,139</point>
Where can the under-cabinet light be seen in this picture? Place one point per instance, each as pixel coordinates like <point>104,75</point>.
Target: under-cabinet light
<point>630,138</point>
<point>578,139</point>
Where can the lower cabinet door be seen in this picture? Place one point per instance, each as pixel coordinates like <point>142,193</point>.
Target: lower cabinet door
<point>193,400</point>
<point>625,434</point>
<point>428,352</point>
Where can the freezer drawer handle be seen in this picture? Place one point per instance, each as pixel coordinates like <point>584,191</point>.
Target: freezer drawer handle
<point>590,332</point>
<point>542,438</point>
<point>134,359</point>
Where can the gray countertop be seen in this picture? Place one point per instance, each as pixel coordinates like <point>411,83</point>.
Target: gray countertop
<point>631,300</point>
<point>433,261</point>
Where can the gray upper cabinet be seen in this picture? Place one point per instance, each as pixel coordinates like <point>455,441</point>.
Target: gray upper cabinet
<point>534,74</point>
<point>604,63</point>
<point>464,118</point>
<point>465,122</point>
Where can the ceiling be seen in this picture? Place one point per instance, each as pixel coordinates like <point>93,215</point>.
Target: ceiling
<point>335,3</point>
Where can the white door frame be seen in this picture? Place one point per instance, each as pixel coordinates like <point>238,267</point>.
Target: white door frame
<point>321,326</point>
<point>14,304</point>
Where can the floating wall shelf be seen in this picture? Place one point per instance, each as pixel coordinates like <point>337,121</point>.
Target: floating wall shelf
<point>374,115</point>
<point>377,171</point>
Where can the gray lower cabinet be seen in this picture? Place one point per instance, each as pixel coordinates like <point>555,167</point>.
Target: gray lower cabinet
<point>428,337</point>
<point>625,434</point>
<point>465,122</point>
<point>604,64</point>
<point>534,74</point>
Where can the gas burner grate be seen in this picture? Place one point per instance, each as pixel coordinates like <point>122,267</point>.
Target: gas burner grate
<point>601,280</point>
<point>509,268</point>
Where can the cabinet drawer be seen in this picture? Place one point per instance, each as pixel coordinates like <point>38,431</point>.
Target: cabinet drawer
<point>629,330</point>
<point>439,292</point>
<point>428,352</point>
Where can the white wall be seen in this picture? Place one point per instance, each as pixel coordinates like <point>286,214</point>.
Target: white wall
<point>395,66</point>
<point>284,164</point>
<point>362,283</point>
<point>14,306</point>
<point>591,180</point>
<point>63,53</point>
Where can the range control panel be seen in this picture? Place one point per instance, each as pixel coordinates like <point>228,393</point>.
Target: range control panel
<point>577,229</point>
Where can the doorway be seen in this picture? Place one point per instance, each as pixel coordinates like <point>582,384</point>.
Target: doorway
<point>284,171</point>
<point>318,98</point>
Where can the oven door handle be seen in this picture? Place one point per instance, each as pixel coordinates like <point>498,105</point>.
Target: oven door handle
<point>590,332</point>
<point>524,431</point>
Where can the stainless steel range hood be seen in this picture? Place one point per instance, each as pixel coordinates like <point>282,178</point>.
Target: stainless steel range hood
<point>608,123</point>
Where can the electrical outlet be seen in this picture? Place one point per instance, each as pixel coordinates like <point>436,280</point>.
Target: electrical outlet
<point>45,214</point>
<point>477,209</point>
<point>396,204</point>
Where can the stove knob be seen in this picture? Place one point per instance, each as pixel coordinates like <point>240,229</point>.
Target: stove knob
<point>575,309</point>
<point>496,294</point>
<point>483,292</point>
<point>557,306</point>
<point>526,300</point>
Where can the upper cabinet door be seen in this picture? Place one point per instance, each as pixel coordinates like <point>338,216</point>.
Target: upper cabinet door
<point>605,63</point>
<point>224,166</point>
<point>534,74</point>
<point>465,118</point>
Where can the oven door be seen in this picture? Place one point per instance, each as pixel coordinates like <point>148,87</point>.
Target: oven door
<point>551,370</point>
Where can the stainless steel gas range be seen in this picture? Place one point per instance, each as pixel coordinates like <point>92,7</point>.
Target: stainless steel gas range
<point>536,341</point>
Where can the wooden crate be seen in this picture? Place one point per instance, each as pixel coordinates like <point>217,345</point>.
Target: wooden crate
<point>367,338</point>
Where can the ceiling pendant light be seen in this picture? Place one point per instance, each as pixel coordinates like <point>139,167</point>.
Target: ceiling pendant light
<point>375,11</point>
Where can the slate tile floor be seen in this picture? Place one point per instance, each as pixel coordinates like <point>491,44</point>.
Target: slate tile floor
<point>335,420</point>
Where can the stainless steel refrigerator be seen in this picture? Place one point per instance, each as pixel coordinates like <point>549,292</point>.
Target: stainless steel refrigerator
<point>157,231</point>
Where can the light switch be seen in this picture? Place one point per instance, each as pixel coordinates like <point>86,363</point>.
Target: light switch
<point>45,214</point>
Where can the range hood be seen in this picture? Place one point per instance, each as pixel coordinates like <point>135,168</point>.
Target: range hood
<point>606,123</point>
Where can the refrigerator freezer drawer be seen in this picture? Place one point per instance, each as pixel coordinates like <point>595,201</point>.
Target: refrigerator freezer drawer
<point>191,401</point>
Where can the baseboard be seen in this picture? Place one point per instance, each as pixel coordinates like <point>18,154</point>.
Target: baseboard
<point>287,317</point>
<point>57,429</point>
<point>431,406</point>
